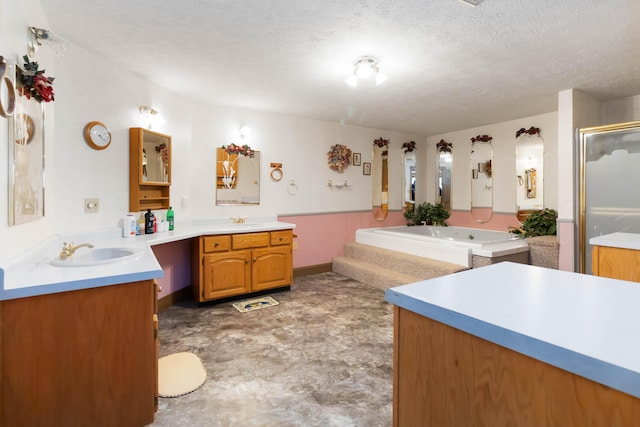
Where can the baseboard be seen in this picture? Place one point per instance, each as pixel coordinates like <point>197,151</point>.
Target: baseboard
<point>312,269</point>
<point>179,295</point>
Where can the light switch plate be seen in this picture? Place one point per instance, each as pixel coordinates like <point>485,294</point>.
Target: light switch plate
<point>91,205</point>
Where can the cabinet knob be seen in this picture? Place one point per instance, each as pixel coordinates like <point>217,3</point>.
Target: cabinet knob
<point>217,244</point>
<point>255,259</point>
<point>281,239</point>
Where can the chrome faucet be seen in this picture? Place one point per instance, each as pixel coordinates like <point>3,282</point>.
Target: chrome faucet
<point>68,249</point>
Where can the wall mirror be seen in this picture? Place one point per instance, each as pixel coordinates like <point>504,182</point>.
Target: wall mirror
<point>409,178</point>
<point>529,174</point>
<point>26,160</point>
<point>380,179</point>
<point>237,178</point>
<point>155,160</point>
<point>444,170</point>
<point>481,181</point>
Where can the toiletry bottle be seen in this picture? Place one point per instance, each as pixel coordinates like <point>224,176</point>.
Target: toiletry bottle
<point>149,220</point>
<point>129,226</point>
<point>140,225</point>
<point>170,218</point>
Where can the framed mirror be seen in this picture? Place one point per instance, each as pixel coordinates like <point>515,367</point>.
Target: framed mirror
<point>409,178</point>
<point>481,179</point>
<point>237,178</point>
<point>444,171</point>
<point>380,179</point>
<point>156,158</point>
<point>26,158</point>
<point>529,172</point>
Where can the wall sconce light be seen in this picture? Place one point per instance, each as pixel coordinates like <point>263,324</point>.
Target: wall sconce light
<point>363,69</point>
<point>245,131</point>
<point>38,36</point>
<point>150,117</point>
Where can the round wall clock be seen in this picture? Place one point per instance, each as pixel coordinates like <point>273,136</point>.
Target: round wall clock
<point>97,135</point>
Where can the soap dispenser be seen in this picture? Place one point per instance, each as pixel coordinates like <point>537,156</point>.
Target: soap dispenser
<point>149,221</point>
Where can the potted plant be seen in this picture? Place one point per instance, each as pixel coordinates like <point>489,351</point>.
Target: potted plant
<point>539,223</point>
<point>427,214</point>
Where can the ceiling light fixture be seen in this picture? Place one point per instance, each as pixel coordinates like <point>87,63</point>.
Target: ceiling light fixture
<point>363,69</point>
<point>472,2</point>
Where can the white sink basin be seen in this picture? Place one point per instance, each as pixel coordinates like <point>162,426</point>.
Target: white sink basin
<point>87,257</point>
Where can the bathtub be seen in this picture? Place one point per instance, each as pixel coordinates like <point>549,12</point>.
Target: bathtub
<point>457,245</point>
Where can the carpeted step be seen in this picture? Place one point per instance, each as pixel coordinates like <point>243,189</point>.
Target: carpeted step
<point>412,265</point>
<point>370,274</point>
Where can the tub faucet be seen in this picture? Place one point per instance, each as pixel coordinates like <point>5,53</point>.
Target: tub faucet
<point>68,249</point>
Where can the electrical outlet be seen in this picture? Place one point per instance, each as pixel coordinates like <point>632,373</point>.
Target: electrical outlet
<point>91,205</point>
<point>295,245</point>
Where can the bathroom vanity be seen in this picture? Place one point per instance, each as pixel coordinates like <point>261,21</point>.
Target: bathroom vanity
<point>78,342</point>
<point>84,357</point>
<point>227,265</point>
<point>514,344</point>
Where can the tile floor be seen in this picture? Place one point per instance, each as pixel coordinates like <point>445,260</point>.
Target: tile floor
<point>322,357</point>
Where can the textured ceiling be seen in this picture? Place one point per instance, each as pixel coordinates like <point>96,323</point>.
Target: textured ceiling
<point>450,65</point>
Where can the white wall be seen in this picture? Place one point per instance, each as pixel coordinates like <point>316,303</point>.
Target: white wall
<point>89,87</point>
<point>504,163</point>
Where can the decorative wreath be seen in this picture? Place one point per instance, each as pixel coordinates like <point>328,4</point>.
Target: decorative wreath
<point>243,150</point>
<point>531,131</point>
<point>481,138</point>
<point>339,157</point>
<point>444,146</point>
<point>408,147</point>
<point>381,142</point>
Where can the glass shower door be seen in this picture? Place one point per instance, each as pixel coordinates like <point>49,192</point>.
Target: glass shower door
<point>609,184</point>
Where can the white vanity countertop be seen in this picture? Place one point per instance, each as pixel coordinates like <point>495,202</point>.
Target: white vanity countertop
<point>583,324</point>
<point>31,273</point>
<point>617,240</point>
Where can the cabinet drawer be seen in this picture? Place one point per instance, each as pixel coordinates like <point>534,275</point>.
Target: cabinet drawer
<point>217,243</point>
<point>252,240</point>
<point>281,237</point>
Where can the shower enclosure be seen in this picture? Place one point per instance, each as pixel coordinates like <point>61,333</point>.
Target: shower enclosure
<point>609,184</point>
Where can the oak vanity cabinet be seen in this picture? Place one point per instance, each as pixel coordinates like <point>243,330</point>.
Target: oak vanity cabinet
<point>236,264</point>
<point>616,263</point>
<point>87,357</point>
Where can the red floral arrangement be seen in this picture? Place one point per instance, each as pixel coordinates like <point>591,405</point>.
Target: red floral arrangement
<point>380,142</point>
<point>243,150</point>
<point>531,131</point>
<point>482,138</point>
<point>35,84</point>
<point>409,146</point>
<point>444,146</point>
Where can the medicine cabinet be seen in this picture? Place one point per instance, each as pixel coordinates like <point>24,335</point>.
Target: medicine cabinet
<point>149,170</point>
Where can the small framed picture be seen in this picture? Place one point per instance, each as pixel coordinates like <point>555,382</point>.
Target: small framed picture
<point>481,167</point>
<point>475,174</point>
<point>356,159</point>
<point>366,169</point>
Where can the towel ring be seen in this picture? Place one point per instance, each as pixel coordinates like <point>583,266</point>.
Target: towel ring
<point>276,174</point>
<point>293,188</point>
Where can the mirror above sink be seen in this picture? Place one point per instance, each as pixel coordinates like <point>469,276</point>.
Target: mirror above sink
<point>237,178</point>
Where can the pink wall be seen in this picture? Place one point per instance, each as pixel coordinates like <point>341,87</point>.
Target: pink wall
<point>321,236</point>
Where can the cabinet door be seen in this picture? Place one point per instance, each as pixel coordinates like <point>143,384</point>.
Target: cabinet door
<point>271,268</point>
<point>226,274</point>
